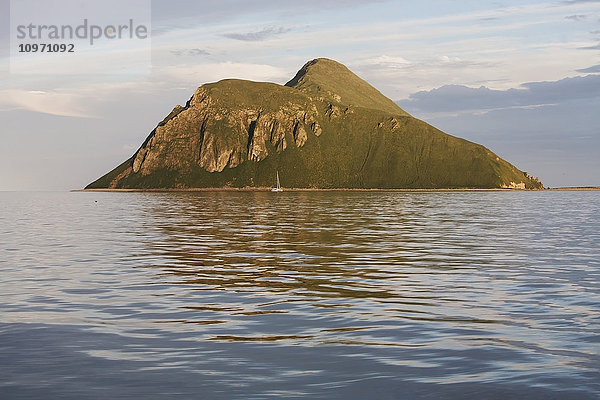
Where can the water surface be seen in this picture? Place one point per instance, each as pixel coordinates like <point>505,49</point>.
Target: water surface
<point>252,295</point>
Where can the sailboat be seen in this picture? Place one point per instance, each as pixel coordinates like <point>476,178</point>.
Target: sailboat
<point>278,187</point>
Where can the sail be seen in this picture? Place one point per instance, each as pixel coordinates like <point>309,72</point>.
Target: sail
<point>278,187</point>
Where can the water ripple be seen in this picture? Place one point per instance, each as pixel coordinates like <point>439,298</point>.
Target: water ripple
<point>296,294</point>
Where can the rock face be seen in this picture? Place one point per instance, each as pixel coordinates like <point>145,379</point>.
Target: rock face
<point>326,128</point>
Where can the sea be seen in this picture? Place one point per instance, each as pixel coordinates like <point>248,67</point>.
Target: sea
<point>300,295</point>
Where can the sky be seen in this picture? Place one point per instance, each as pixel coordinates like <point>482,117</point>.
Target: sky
<point>520,77</point>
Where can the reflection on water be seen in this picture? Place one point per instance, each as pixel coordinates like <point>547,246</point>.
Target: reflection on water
<point>300,294</point>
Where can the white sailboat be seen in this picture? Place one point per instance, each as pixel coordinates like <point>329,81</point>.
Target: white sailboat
<point>278,187</point>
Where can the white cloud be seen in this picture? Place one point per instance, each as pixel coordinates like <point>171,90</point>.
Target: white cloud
<point>204,73</point>
<point>386,61</point>
<point>53,103</point>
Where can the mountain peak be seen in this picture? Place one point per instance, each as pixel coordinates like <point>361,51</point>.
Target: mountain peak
<point>308,69</point>
<point>333,81</point>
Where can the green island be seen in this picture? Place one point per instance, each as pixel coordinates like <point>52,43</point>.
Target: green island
<point>324,129</point>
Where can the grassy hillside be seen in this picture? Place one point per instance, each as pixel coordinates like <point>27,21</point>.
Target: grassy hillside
<point>326,129</point>
<point>334,82</point>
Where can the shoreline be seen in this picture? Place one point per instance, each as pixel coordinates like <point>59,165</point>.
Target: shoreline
<point>268,189</point>
<point>574,189</point>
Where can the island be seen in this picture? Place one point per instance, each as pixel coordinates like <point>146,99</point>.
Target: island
<point>324,129</point>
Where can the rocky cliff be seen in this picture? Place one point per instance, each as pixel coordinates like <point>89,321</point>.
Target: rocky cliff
<point>326,128</point>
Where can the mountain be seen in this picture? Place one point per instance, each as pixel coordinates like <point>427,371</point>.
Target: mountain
<point>326,128</point>
<point>328,80</point>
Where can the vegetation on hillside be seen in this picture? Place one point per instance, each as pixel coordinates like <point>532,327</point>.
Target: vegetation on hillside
<point>326,128</point>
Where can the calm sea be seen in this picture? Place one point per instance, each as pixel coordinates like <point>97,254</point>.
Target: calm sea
<point>313,295</point>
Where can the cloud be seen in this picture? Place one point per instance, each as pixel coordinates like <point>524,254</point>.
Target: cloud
<point>570,2</point>
<point>257,36</point>
<point>199,74</point>
<point>190,52</point>
<point>458,98</point>
<point>596,47</point>
<point>167,18</point>
<point>53,103</point>
<point>397,77</point>
<point>198,52</point>
<point>590,70</point>
<point>578,17</point>
<point>440,61</point>
<point>386,61</point>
